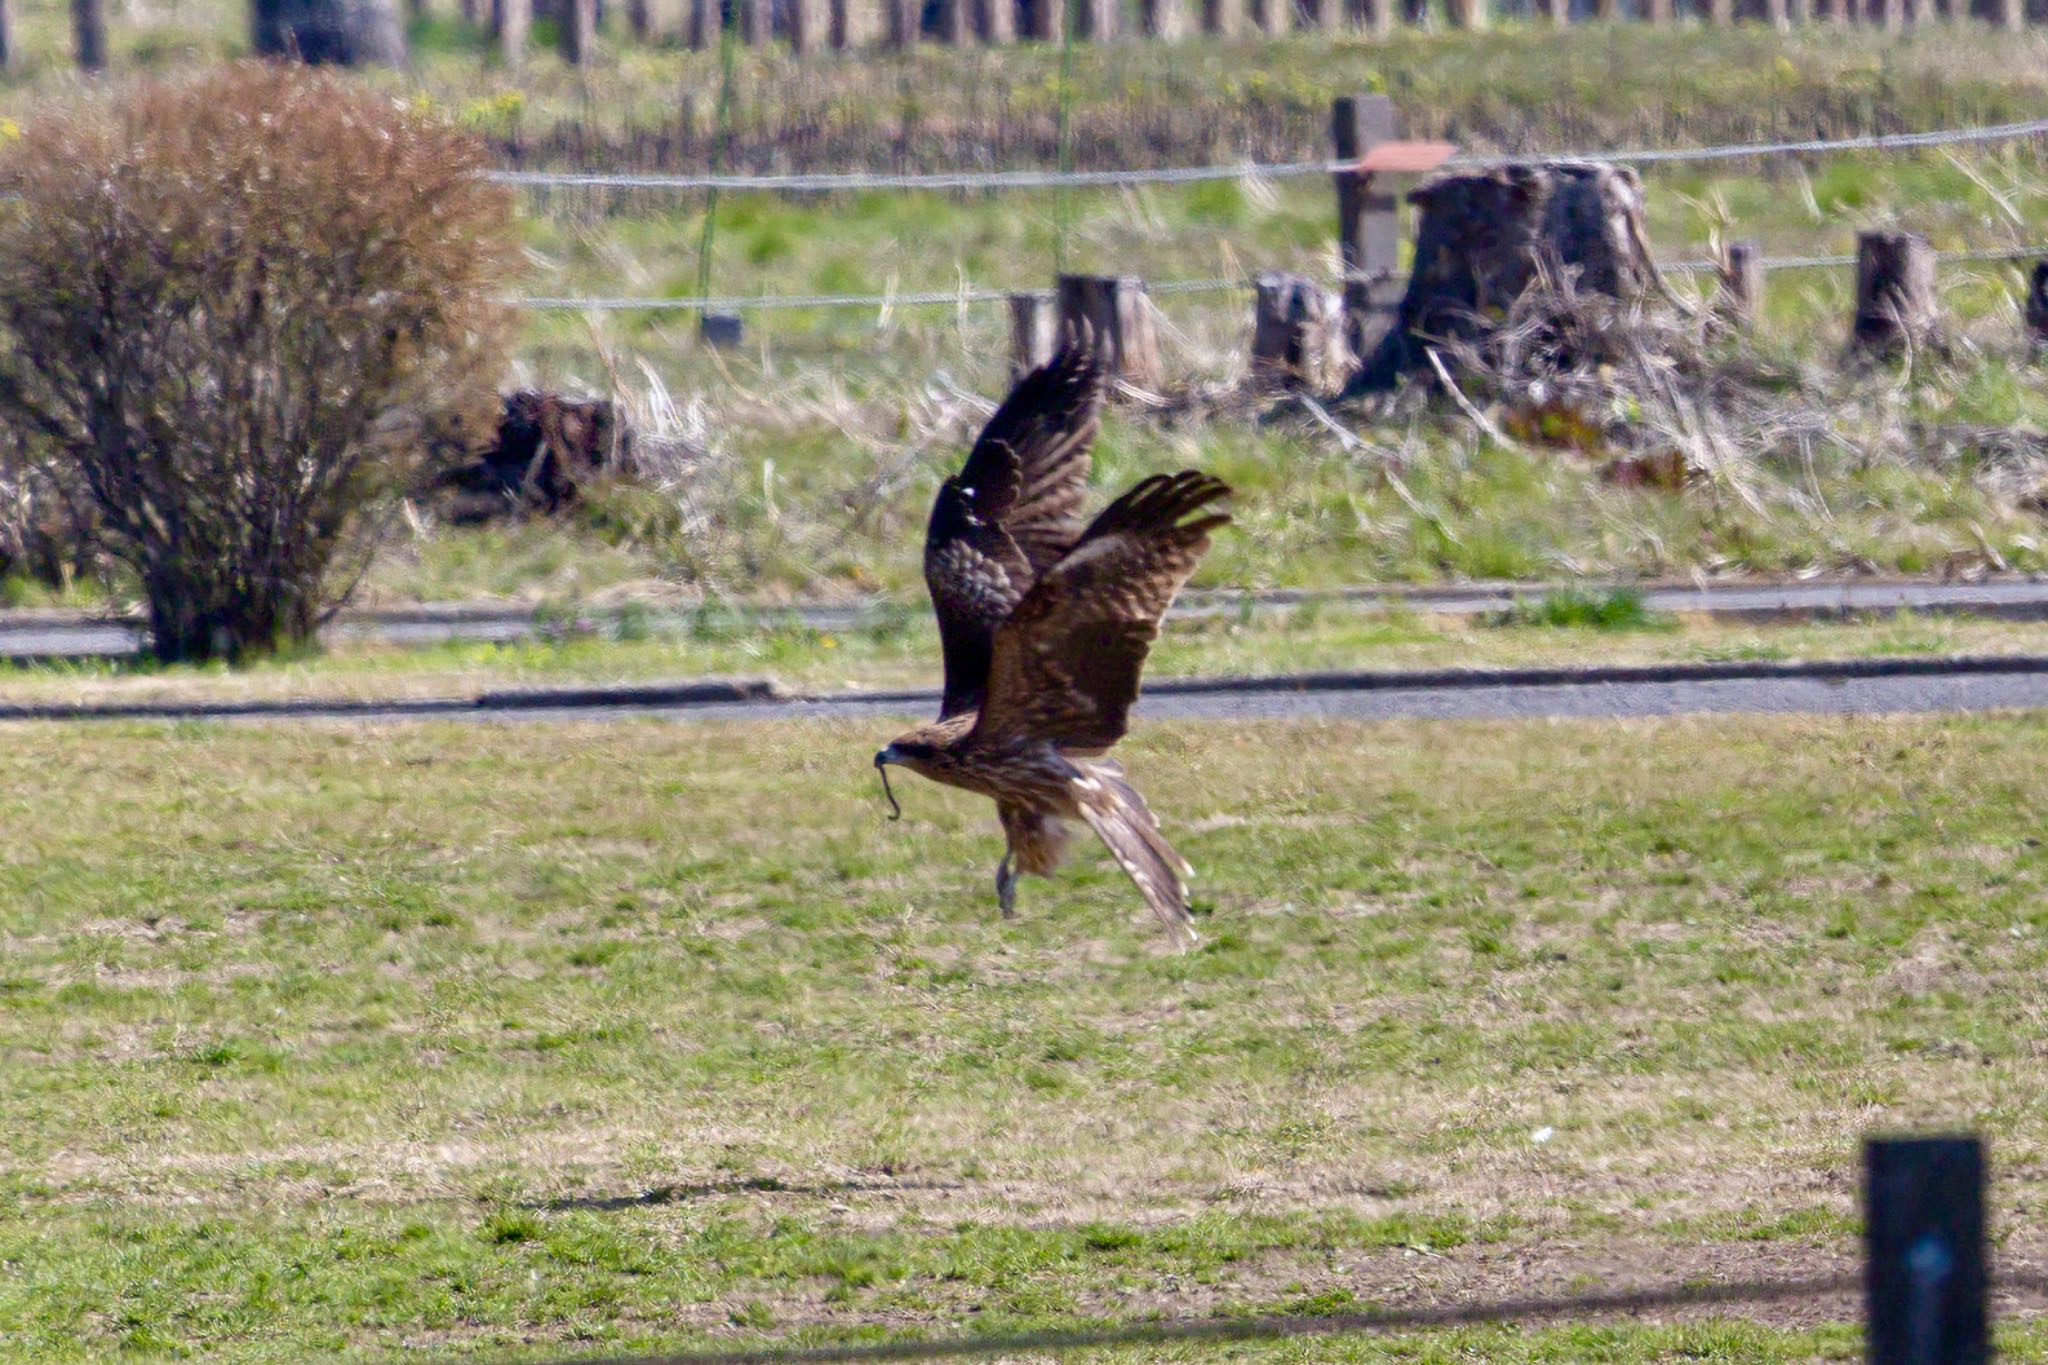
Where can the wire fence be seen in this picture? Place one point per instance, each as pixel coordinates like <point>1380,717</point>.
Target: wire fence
<point>837,182</point>
<point>965,297</point>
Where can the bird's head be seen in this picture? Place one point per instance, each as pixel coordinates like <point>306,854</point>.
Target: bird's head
<point>912,753</point>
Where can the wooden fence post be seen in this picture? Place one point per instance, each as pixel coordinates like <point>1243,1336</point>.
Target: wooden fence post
<point>513,21</point>
<point>1368,226</point>
<point>1031,333</point>
<point>1923,1238</point>
<point>1112,315</point>
<point>1896,307</point>
<point>757,21</point>
<point>89,34</point>
<point>578,34</point>
<point>903,22</point>
<point>803,26</point>
<point>1741,294</point>
<point>1095,20</point>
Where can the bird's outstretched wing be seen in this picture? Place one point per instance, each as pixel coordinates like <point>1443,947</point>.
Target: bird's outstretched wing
<point>1066,663</point>
<point>1009,514</point>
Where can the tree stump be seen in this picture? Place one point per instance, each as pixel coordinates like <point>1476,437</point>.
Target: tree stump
<point>1896,309</point>
<point>1483,238</point>
<point>1031,333</point>
<point>1112,316</point>
<point>1742,285</point>
<point>1297,334</point>
<point>2037,305</point>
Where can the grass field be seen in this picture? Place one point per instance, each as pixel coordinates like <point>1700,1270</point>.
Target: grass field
<point>582,1037</point>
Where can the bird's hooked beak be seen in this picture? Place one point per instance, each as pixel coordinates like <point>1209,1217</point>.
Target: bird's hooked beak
<point>882,762</point>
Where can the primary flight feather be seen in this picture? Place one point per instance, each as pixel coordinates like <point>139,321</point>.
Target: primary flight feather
<point>1045,622</point>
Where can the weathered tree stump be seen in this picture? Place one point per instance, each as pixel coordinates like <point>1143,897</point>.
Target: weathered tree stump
<point>2037,304</point>
<point>1483,238</point>
<point>1896,308</point>
<point>1742,285</point>
<point>1297,334</point>
<point>1112,315</point>
<point>1031,333</point>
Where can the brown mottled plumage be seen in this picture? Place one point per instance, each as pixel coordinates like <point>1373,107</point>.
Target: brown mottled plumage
<point>1045,627</point>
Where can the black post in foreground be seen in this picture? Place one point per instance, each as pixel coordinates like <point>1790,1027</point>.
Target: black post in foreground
<point>1924,1276</point>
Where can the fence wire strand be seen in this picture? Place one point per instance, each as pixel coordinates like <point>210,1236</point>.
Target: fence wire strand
<point>834,182</point>
<point>1163,288</point>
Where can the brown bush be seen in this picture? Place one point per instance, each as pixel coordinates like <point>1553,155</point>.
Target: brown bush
<point>226,305</point>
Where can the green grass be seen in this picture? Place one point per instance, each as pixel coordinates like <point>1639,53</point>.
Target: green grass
<point>582,1038</point>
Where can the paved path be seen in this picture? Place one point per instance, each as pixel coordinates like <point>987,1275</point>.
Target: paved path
<point>54,635</point>
<point>1879,686</point>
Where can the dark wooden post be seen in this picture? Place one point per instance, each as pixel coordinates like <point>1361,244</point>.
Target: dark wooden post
<point>2037,304</point>
<point>1925,1276</point>
<point>89,34</point>
<point>1742,285</point>
<point>1112,315</point>
<point>1368,227</point>
<point>1031,333</point>
<point>1896,307</point>
<point>578,34</point>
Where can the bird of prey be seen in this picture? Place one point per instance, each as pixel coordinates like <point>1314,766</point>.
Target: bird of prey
<point>1045,623</point>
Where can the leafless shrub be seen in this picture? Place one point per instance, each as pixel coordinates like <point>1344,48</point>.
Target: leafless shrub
<point>231,302</point>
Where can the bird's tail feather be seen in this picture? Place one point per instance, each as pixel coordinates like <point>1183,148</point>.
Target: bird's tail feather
<point>1124,822</point>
